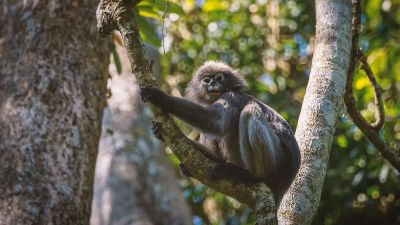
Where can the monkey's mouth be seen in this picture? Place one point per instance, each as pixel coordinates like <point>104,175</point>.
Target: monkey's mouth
<point>214,89</point>
<point>214,92</point>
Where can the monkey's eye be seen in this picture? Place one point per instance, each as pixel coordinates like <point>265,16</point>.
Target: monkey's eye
<point>219,76</point>
<point>206,80</point>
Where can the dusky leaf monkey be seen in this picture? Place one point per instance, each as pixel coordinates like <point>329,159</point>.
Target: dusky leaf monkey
<point>249,141</point>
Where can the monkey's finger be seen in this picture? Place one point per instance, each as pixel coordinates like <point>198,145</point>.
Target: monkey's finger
<point>155,123</point>
<point>156,130</point>
<point>158,136</point>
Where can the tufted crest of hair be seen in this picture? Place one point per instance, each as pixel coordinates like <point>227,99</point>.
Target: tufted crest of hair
<point>233,79</point>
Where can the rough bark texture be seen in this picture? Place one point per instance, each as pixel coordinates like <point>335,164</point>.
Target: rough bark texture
<point>114,14</point>
<point>134,182</point>
<point>53,70</point>
<point>323,99</point>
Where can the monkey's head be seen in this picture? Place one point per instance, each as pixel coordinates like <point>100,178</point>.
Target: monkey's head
<point>213,79</point>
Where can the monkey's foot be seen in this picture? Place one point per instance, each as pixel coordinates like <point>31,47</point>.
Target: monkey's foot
<point>156,130</point>
<point>184,170</point>
<point>220,171</point>
<point>231,172</point>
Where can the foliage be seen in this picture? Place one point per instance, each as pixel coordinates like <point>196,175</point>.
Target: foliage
<point>272,44</point>
<point>150,15</point>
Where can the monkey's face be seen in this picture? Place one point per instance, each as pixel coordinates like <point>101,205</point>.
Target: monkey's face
<point>213,85</point>
<point>213,79</point>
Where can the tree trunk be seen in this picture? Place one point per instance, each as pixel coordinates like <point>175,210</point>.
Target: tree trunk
<point>53,71</point>
<point>322,102</point>
<point>134,182</point>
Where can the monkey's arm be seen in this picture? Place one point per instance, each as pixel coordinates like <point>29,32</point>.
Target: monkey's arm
<point>206,119</point>
<point>222,169</point>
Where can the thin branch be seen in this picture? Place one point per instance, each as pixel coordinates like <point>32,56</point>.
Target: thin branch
<point>380,112</point>
<point>115,14</point>
<point>163,24</point>
<point>371,131</point>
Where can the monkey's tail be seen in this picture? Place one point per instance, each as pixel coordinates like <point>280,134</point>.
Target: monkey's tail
<point>259,145</point>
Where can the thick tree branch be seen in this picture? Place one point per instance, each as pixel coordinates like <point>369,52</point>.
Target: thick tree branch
<point>371,130</point>
<point>320,109</point>
<point>115,14</point>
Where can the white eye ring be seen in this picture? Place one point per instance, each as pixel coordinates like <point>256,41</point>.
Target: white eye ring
<point>219,77</point>
<point>206,80</point>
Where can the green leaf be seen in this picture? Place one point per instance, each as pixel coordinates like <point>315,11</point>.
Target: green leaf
<point>148,32</point>
<point>159,6</point>
<point>117,61</point>
<point>378,60</point>
<point>371,9</point>
<point>171,8</point>
<point>342,141</point>
<point>145,3</point>
<point>215,5</point>
<point>149,12</point>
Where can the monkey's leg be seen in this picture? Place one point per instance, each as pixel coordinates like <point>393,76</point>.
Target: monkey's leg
<point>204,150</point>
<point>259,145</point>
<point>206,118</point>
<point>232,172</point>
<point>207,153</point>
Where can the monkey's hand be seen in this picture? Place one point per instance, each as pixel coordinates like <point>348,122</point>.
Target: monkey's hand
<point>232,172</point>
<point>156,130</point>
<point>149,94</point>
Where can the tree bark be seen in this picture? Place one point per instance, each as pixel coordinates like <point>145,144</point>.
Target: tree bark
<point>134,182</point>
<point>53,71</point>
<point>322,102</point>
<point>115,14</point>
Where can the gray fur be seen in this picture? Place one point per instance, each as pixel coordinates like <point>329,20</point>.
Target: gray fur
<point>236,128</point>
<point>197,93</point>
<point>259,145</point>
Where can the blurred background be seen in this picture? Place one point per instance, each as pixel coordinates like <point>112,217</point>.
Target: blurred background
<point>271,42</point>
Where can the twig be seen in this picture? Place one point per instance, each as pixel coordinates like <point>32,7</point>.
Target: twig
<point>371,131</point>
<point>163,23</point>
<point>380,112</point>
